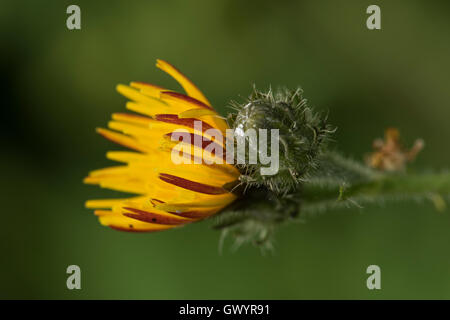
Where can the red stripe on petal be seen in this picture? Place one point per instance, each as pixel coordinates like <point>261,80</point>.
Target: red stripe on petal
<point>134,230</point>
<point>187,122</point>
<point>152,217</point>
<point>191,214</point>
<point>155,200</point>
<point>191,185</point>
<point>186,99</point>
<point>198,141</point>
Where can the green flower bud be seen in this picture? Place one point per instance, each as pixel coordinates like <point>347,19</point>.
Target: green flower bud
<point>302,134</point>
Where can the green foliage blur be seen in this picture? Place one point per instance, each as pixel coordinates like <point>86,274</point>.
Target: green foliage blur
<point>58,85</point>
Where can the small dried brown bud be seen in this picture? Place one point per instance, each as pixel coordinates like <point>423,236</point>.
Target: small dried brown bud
<point>390,155</point>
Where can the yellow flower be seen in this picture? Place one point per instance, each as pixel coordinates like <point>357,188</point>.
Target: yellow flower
<point>166,194</point>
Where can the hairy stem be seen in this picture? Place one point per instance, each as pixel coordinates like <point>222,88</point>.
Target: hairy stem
<point>385,187</point>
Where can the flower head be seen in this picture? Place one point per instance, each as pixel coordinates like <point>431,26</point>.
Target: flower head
<point>167,193</point>
<point>294,177</point>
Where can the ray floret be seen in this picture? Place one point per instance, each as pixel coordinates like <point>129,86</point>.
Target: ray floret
<point>166,194</point>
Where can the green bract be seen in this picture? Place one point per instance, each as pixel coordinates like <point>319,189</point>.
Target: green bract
<point>302,136</point>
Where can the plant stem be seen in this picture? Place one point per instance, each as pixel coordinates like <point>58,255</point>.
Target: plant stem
<point>383,188</point>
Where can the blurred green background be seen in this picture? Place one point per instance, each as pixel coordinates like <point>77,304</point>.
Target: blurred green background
<point>58,85</point>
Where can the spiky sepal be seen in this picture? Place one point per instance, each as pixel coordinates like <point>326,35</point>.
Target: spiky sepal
<point>302,134</point>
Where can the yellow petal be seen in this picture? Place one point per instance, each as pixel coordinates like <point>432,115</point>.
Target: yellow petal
<point>190,88</point>
<point>135,95</point>
<point>108,203</point>
<point>122,140</point>
<point>196,113</point>
<point>120,222</point>
<point>132,119</point>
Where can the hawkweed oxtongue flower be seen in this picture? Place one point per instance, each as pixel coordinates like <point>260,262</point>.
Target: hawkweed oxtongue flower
<point>178,182</point>
<point>168,194</point>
